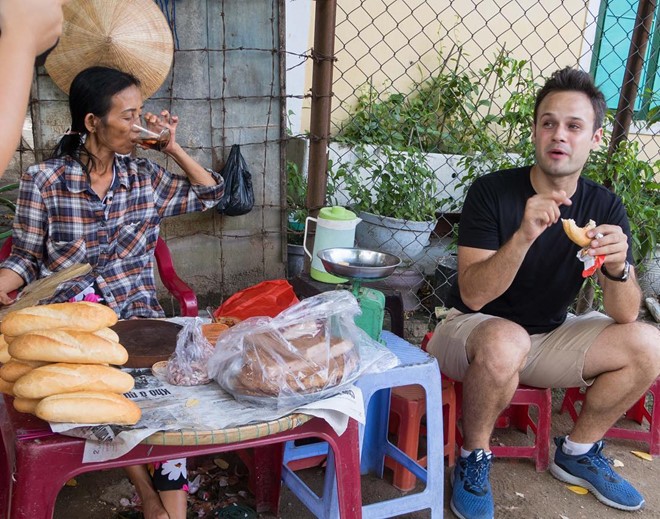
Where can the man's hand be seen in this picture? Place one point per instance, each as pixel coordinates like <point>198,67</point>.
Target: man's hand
<point>541,211</point>
<point>609,241</point>
<point>36,24</point>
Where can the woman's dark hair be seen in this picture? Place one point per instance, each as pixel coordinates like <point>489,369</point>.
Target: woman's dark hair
<point>91,92</point>
<point>570,79</point>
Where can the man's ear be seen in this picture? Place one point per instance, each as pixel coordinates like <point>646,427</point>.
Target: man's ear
<point>597,139</point>
<point>90,122</point>
<point>534,133</point>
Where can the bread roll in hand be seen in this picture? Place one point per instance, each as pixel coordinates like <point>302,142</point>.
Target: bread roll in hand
<point>577,234</point>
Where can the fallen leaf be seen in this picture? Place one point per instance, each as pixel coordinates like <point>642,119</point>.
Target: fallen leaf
<point>644,455</point>
<point>577,489</point>
<point>72,483</point>
<point>617,463</point>
<point>221,464</point>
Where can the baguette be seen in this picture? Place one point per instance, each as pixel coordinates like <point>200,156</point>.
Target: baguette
<point>6,387</point>
<point>67,346</point>
<point>15,369</point>
<point>66,378</point>
<point>89,407</point>
<point>26,405</point>
<point>81,316</point>
<point>4,350</point>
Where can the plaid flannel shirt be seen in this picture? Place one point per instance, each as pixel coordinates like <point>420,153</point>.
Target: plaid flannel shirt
<point>60,221</point>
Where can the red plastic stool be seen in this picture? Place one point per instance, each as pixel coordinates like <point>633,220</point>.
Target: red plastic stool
<point>517,414</point>
<point>407,407</point>
<point>638,412</point>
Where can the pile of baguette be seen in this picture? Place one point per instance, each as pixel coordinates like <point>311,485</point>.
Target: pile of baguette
<point>57,363</point>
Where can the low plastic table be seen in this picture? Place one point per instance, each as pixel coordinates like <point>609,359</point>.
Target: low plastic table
<point>36,463</point>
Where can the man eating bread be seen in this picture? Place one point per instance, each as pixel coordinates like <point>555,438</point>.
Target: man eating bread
<point>518,273</point>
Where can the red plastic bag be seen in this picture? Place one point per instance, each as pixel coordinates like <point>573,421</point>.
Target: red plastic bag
<point>267,298</point>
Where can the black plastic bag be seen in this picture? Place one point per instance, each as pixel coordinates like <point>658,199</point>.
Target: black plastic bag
<point>239,196</point>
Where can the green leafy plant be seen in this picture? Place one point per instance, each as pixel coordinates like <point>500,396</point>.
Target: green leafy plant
<point>296,194</point>
<point>484,115</point>
<point>634,180</point>
<point>387,182</point>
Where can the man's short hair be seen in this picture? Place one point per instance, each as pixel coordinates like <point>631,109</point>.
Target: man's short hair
<point>571,79</point>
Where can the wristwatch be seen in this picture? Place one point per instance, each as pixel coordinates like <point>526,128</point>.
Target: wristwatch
<point>623,277</point>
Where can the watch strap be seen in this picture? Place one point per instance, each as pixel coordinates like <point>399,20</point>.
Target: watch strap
<point>623,277</point>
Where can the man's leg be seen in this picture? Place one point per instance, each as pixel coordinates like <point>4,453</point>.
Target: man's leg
<point>496,350</point>
<point>623,361</point>
<point>486,354</point>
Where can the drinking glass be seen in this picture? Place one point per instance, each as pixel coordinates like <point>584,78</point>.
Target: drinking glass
<point>152,140</point>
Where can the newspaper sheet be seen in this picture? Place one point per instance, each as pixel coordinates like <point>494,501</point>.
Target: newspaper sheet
<point>202,408</point>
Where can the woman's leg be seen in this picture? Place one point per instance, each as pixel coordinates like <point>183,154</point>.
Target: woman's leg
<point>175,502</point>
<point>152,506</point>
<point>170,479</point>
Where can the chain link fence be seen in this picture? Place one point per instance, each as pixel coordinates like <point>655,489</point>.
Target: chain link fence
<point>428,95</point>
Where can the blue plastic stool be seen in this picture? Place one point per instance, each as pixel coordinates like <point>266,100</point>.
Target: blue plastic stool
<point>416,367</point>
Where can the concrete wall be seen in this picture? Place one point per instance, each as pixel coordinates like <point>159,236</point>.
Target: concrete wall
<point>225,87</point>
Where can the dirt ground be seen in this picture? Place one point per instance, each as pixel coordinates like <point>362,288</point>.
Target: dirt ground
<point>520,492</point>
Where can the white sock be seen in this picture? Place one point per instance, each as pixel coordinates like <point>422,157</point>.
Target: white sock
<point>575,449</point>
<point>465,454</point>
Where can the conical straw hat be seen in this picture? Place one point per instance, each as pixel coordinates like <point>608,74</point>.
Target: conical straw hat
<point>130,35</point>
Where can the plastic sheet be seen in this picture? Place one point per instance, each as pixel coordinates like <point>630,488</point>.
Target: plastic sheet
<point>309,351</point>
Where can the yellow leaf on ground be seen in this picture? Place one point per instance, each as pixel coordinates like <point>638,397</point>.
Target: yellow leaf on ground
<point>72,483</point>
<point>577,489</point>
<point>644,455</point>
<point>617,463</point>
<point>220,463</point>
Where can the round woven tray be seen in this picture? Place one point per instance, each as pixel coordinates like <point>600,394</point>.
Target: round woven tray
<point>231,435</point>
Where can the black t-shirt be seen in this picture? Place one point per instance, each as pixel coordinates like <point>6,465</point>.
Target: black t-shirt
<point>550,276</point>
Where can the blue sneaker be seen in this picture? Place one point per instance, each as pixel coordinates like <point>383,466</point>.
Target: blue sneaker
<point>594,471</point>
<point>471,495</point>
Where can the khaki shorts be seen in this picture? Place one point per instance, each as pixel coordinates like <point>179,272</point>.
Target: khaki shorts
<point>556,358</point>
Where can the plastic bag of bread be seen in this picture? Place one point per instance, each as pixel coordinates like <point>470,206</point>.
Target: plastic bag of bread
<point>187,365</point>
<point>311,350</point>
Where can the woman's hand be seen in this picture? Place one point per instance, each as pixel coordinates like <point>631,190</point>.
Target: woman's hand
<point>5,299</point>
<point>157,124</point>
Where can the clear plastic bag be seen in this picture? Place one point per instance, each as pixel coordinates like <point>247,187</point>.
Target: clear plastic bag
<point>311,350</point>
<point>187,365</point>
